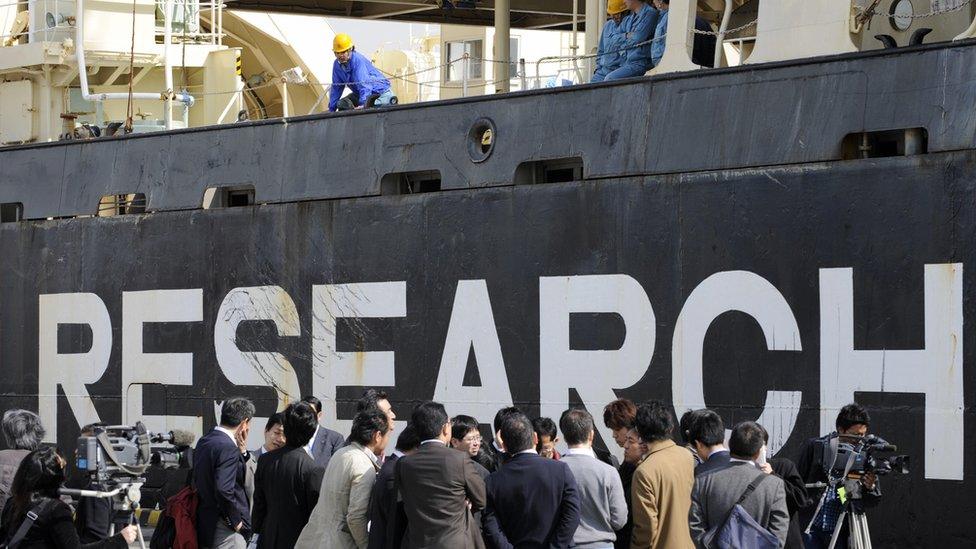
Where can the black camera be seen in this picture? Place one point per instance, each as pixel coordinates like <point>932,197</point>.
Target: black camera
<point>851,456</point>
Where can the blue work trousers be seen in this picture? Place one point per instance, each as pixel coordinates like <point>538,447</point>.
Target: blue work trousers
<point>350,101</point>
<point>627,70</point>
<point>384,98</point>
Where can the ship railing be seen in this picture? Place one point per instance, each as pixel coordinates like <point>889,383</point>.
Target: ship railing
<point>58,23</point>
<point>186,21</point>
<point>185,25</point>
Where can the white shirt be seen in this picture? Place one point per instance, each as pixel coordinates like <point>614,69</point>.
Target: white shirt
<point>437,440</point>
<point>229,432</point>
<point>529,451</point>
<point>311,442</point>
<point>581,452</point>
<point>749,461</point>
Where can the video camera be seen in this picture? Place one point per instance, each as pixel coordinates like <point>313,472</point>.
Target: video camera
<point>846,456</point>
<point>122,453</point>
<point>117,457</point>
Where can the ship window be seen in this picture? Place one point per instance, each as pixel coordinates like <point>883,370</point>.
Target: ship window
<point>121,204</point>
<point>558,170</point>
<point>880,144</point>
<point>11,212</point>
<point>410,182</point>
<point>454,72</point>
<point>228,197</point>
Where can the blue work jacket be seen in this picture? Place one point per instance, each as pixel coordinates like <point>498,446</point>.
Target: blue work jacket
<point>660,37</point>
<point>613,39</point>
<point>641,29</point>
<point>360,75</point>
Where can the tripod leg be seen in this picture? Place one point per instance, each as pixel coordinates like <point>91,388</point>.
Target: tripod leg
<point>865,532</point>
<point>816,512</point>
<point>142,541</point>
<point>855,538</point>
<point>837,529</point>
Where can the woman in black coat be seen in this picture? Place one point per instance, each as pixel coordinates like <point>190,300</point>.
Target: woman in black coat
<point>35,488</point>
<point>796,499</point>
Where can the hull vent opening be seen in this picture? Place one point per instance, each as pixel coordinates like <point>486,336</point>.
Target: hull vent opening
<point>481,139</point>
<point>558,170</point>
<point>228,197</point>
<point>11,212</point>
<point>410,182</point>
<point>121,204</point>
<point>886,143</point>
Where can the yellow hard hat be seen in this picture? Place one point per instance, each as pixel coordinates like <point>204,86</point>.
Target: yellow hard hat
<point>615,6</point>
<point>343,42</point>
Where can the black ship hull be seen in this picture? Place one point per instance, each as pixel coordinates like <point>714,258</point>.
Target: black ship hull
<point>722,254</point>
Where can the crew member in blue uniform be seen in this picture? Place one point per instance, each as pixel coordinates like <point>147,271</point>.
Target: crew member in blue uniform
<point>637,59</point>
<point>368,85</point>
<point>660,31</point>
<point>704,45</point>
<point>611,53</point>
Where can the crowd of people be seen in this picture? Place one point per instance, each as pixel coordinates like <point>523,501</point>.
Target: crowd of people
<point>444,486</point>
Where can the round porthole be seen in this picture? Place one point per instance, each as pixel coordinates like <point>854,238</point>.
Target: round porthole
<point>902,13</point>
<point>481,139</point>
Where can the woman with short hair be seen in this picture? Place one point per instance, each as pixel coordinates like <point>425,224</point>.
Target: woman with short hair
<point>23,433</point>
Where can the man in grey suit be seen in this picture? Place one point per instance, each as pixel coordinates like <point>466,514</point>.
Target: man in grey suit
<point>437,484</point>
<point>715,494</point>
<point>325,442</point>
<point>603,508</point>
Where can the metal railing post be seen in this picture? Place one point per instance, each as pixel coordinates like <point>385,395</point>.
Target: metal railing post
<point>284,98</point>
<point>464,76</point>
<point>522,71</point>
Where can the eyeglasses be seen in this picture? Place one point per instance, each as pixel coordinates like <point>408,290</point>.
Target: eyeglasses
<point>472,438</point>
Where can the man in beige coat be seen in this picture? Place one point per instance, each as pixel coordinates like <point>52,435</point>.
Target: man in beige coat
<point>340,518</point>
<point>661,489</point>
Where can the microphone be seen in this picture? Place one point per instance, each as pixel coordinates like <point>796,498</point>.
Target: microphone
<point>176,437</point>
<point>182,438</point>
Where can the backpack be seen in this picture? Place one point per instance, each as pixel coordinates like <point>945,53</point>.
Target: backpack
<point>177,527</point>
<point>739,530</point>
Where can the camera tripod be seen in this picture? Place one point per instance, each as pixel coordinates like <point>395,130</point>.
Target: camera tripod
<point>125,502</point>
<point>859,534</point>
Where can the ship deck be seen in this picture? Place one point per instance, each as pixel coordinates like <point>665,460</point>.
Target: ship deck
<point>751,116</point>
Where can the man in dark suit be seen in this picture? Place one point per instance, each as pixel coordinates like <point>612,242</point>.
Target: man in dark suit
<point>707,436</point>
<point>494,449</point>
<point>437,484</point>
<point>274,435</point>
<point>223,514</point>
<point>287,482</point>
<point>387,521</point>
<point>532,501</point>
<point>374,398</point>
<point>324,442</point>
